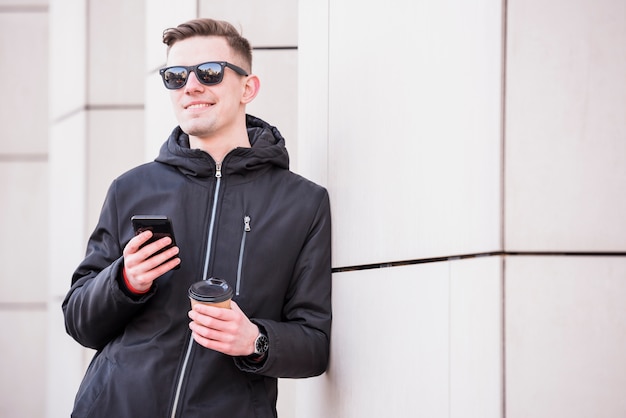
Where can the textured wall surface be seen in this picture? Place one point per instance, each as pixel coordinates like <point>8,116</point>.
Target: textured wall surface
<point>474,157</point>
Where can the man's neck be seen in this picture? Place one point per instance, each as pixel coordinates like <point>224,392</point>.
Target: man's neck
<point>218,147</point>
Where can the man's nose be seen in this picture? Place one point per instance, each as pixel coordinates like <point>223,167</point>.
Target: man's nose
<point>192,82</point>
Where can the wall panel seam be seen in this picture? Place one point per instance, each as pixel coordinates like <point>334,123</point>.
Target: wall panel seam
<point>34,157</point>
<point>24,9</point>
<point>389,264</point>
<point>23,306</point>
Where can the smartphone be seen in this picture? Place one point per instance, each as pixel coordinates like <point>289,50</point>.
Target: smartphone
<point>160,225</point>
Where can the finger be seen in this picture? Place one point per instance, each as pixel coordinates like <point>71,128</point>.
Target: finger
<point>148,250</point>
<point>197,333</point>
<point>211,338</point>
<point>235,308</point>
<point>141,272</point>
<point>162,268</point>
<point>205,332</point>
<point>209,343</point>
<point>223,330</point>
<point>217,313</point>
<point>208,316</point>
<point>136,242</point>
<point>154,261</point>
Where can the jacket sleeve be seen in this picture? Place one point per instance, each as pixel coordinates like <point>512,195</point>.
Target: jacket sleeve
<point>97,308</point>
<point>300,343</point>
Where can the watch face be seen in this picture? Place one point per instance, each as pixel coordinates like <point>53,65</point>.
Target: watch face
<point>261,344</point>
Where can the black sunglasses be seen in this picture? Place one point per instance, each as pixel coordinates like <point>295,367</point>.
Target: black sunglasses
<point>207,73</point>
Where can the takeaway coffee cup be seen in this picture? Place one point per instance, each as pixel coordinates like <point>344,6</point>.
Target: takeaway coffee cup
<point>213,291</point>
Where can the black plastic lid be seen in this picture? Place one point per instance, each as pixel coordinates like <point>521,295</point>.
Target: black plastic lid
<point>211,290</point>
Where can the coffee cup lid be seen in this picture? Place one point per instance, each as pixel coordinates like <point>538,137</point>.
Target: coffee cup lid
<point>210,290</point>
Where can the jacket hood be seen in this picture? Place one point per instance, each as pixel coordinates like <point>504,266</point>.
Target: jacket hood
<point>267,149</point>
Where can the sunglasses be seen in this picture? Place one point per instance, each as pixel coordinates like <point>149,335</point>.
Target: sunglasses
<point>207,73</point>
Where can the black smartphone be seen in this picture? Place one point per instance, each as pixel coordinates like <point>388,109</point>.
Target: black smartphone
<point>160,225</point>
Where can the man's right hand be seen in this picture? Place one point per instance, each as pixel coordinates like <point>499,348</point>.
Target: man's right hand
<point>140,267</point>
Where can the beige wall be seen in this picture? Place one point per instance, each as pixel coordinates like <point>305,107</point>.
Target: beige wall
<point>492,129</point>
<point>565,178</point>
<point>411,113</point>
<point>474,156</point>
<point>24,208</point>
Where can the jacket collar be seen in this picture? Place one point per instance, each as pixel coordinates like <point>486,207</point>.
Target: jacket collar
<point>267,149</point>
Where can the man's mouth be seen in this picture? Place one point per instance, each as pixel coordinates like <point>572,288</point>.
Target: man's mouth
<point>198,105</point>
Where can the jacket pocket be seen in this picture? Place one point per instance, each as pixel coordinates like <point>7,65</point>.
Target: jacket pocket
<point>94,382</point>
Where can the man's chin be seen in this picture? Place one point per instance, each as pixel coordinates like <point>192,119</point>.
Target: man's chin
<point>195,129</point>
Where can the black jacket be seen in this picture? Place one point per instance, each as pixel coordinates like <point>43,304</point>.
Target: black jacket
<point>146,365</point>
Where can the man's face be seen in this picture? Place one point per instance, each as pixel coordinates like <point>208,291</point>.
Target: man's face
<point>202,111</point>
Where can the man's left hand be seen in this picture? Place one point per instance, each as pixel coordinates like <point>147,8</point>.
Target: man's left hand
<point>228,331</point>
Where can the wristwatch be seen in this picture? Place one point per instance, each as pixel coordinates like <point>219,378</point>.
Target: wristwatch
<point>261,344</point>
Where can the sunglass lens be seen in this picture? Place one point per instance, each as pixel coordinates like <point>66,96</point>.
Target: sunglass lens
<point>175,77</point>
<point>210,73</point>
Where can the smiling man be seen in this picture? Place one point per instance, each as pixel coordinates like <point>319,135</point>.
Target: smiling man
<point>238,214</point>
<point>211,116</point>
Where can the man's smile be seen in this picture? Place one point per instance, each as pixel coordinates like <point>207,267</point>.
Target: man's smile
<point>198,105</point>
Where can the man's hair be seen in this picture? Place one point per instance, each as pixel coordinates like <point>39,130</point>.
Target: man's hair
<point>209,27</point>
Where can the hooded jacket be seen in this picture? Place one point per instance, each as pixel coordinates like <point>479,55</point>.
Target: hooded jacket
<point>249,221</point>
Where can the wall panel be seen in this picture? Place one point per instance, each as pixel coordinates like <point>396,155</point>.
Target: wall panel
<point>266,23</point>
<point>565,129</point>
<point>68,57</point>
<point>277,101</point>
<point>414,129</point>
<point>116,52</point>
<point>476,340</point>
<point>160,15</point>
<point>68,183</point>
<point>23,364</point>
<point>24,83</point>
<point>24,206</point>
<point>390,343</point>
<point>24,225</point>
<point>420,340</point>
<point>116,144</point>
<point>565,337</point>
<point>313,77</point>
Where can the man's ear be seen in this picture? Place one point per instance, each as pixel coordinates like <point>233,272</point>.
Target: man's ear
<point>251,88</point>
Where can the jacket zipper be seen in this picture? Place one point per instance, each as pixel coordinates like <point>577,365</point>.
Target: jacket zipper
<point>179,386</point>
<point>246,229</point>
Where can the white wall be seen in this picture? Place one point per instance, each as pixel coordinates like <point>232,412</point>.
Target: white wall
<point>404,101</point>
<point>24,206</point>
<point>565,176</point>
<point>474,156</point>
<point>494,129</point>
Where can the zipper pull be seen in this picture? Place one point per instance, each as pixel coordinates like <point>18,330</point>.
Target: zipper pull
<point>218,170</point>
<point>246,223</point>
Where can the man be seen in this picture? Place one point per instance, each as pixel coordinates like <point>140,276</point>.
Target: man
<point>239,214</point>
